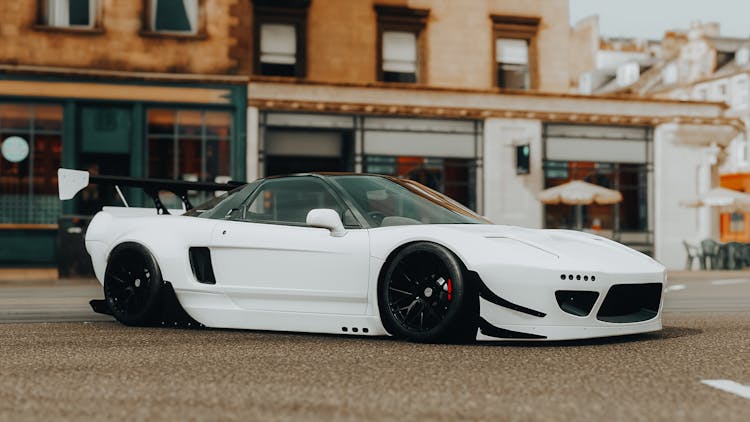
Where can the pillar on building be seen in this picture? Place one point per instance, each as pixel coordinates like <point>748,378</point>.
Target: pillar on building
<point>253,143</point>
<point>685,166</point>
<point>510,198</point>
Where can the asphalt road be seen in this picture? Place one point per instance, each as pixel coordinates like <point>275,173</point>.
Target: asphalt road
<point>99,369</point>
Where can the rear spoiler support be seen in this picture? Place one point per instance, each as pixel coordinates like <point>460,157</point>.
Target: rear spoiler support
<point>70,182</point>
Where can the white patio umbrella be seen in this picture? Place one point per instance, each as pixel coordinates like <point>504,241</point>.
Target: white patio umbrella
<point>726,200</point>
<point>579,193</point>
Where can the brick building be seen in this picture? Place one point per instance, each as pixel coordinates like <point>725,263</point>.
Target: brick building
<point>140,88</point>
<point>471,98</point>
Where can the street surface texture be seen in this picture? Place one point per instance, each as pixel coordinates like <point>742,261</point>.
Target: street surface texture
<point>99,369</point>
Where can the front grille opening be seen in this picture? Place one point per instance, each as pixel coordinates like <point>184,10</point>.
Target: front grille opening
<point>631,303</point>
<point>578,303</point>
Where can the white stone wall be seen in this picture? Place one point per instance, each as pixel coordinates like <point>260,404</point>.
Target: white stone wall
<point>682,171</point>
<point>252,152</point>
<point>510,198</point>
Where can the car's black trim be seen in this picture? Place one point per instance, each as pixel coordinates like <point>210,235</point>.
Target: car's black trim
<point>490,330</point>
<point>100,306</point>
<point>200,262</point>
<point>490,296</point>
<point>172,313</point>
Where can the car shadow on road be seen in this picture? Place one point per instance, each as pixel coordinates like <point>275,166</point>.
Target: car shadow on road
<point>666,333</point>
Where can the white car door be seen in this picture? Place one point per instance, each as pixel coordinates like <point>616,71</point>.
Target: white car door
<point>266,258</point>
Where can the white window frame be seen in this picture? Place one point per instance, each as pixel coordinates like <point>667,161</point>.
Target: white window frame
<point>192,19</point>
<point>57,14</point>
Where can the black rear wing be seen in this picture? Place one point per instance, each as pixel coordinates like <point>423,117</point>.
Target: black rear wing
<point>70,182</point>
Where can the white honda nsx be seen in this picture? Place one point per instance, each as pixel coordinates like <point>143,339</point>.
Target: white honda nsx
<point>358,254</point>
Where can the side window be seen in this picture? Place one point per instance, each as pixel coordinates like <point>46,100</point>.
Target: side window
<point>287,201</point>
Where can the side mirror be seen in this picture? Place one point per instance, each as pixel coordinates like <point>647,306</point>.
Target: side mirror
<point>327,219</point>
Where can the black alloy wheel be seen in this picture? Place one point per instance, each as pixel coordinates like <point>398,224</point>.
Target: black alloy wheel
<point>424,296</point>
<point>132,285</point>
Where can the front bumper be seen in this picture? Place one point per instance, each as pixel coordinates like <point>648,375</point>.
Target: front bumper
<point>535,290</point>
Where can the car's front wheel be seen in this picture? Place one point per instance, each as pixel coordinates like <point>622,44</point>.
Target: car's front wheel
<point>132,285</point>
<point>424,296</point>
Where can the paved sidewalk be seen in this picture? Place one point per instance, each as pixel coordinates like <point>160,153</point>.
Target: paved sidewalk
<point>26,274</point>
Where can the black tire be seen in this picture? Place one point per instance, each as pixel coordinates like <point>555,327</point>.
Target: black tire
<point>133,285</point>
<point>424,296</point>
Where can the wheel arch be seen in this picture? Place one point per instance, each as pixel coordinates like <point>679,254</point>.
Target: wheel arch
<point>473,279</point>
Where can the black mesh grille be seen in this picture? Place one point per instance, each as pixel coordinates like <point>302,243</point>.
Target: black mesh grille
<point>631,303</point>
<point>575,302</point>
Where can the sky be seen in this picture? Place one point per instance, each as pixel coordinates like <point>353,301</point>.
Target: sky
<point>650,18</point>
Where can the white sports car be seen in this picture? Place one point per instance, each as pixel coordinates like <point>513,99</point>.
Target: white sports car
<point>359,254</point>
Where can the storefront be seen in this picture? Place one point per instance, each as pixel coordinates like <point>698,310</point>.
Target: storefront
<point>619,158</point>
<point>440,153</point>
<point>182,130</point>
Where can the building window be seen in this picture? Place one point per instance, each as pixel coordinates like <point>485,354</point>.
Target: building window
<point>69,13</point>
<point>512,57</point>
<point>181,17</point>
<point>669,74</point>
<point>192,145</point>
<point>628,74</point>
<point>700,93</point>
<point>515,65</point>
<point>280,32</point>
<point>31,143</point>
<point>400,40</point>
<point>740,93</point>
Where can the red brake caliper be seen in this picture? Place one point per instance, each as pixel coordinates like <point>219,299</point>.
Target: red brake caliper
<point>450,289</point>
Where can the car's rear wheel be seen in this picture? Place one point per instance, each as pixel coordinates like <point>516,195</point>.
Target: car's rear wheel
<point>132,285</point>
<point>424,296</point>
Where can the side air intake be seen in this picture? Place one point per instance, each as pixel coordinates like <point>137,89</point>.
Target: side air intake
<point>200,262</point>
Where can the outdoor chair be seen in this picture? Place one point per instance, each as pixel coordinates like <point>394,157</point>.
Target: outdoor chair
<point>693,253</point>
<point>711,249</point>
<point>734,256</point>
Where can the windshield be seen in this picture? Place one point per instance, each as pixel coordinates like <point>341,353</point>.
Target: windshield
<point>394,202</point>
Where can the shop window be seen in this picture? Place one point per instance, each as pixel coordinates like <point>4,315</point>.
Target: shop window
<point>180,17</point>
<point>451,176</point>
<point>192,145</point>
<point>79,14</point>
<point>31,144</point>
<point>630,215</point>
<point>400,43</point>
<point>280,29</point>
<point>737,222</point>
<point>515,51</point>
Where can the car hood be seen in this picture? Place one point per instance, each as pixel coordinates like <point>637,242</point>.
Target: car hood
<point>571,249</point>
<point>482,244</point>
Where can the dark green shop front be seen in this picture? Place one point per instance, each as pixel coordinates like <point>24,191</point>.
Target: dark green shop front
<point>196,133</point>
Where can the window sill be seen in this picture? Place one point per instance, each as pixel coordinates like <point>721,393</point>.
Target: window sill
<point>70,30</point>
<point>28,226</point>
<point>173,35</point>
